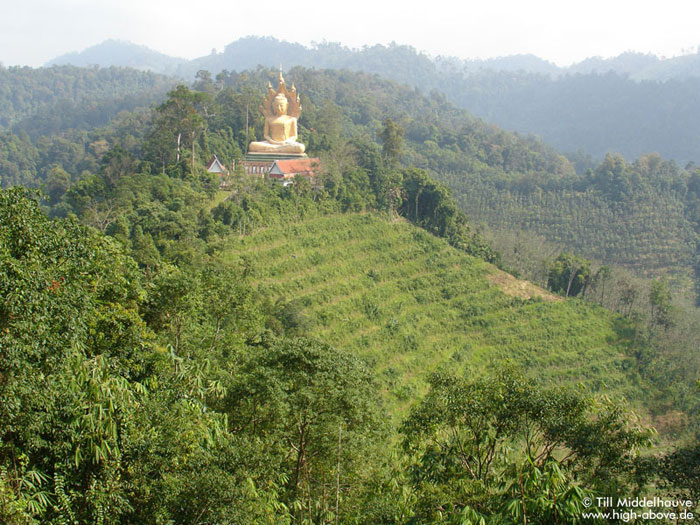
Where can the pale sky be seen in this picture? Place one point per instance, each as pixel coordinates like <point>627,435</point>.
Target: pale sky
<point>562,31</point>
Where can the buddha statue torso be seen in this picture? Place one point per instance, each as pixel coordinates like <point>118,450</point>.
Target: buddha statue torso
<point>280,121</point>
<point>281,128</point>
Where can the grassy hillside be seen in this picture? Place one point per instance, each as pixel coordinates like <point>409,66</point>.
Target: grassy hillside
<point>409,303</point>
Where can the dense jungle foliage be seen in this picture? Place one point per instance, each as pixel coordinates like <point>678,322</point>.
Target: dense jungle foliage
<point>336,352</point>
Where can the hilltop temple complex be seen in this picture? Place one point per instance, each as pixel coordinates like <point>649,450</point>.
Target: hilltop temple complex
<point>280,155</point>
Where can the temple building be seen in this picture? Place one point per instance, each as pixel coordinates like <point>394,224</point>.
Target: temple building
<point>285,170</point>
<point>258,164</point>
<point>216,166</point>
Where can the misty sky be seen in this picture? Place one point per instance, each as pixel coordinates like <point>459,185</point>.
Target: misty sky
<point>34,31</point>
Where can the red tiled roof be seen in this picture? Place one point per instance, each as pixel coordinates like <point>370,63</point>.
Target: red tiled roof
<point>306,165</point>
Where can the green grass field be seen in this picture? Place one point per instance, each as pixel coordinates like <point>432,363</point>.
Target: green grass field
<point>408,303</point>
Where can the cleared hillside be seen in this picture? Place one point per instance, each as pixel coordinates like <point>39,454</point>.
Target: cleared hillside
<point>409,303</point>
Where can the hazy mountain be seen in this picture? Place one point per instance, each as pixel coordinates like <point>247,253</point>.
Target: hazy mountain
<point>406,63</point>
<point>121,53</point>
<point>597,113</point>
<point>251,51</point>
<point>513,63</point>
<point>627,63</point>
<point>639,66</point>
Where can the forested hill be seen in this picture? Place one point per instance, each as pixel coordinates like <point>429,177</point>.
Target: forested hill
<point>203,382</point>
<point>594,109</point>
<point>633,104</point>
<point>642,215</point>
<point>121,54</point>
<point>338,106</point>
<point>49,100</point>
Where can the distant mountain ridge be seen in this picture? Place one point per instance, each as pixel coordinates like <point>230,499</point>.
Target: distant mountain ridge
<point>250,51</point>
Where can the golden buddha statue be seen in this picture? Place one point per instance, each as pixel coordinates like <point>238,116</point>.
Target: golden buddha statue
<point>281,109</point>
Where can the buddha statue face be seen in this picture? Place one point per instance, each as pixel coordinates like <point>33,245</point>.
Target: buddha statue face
<point>280,105</point>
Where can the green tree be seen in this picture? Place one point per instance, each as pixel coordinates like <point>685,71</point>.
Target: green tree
<point>57,184</point>
<point>680,472</point>
<point>660,303</point>
<point>316,408</point>
<point>600,281</point>
<point>179,122</point>
<point>143,248</point>
<point>569,275</point>
<point>74,351</point>
<point>468,439</point>
<point>391,135</point>
<point>99,423</point>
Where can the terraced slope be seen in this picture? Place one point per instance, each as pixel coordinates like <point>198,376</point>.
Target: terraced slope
<point>408,302</point>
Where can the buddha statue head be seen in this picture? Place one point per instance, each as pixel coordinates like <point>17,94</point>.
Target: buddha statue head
<point>280,104</point>
<point>281,101</point>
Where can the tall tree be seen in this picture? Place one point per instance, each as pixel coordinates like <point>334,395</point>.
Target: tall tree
<point>305,397</point>
<point>469,439</point>
<point>391,135</point>
<point>569,275</point>
<point>179,122</point>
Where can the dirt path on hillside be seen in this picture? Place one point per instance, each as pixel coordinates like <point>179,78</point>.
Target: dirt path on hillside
<point>518,288</point>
